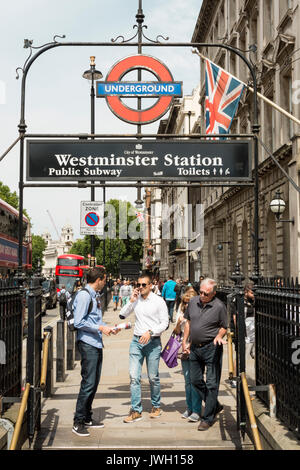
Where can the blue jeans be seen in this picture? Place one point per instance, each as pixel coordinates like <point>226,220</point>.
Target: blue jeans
<point>193,400</point>
<point>208,357</point>
<point>91,365</point>
<point>170,305</point>
<point>137,353</point>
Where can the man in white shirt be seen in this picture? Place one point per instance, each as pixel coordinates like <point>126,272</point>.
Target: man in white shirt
<point>125,292</point>
<point>151,320</point>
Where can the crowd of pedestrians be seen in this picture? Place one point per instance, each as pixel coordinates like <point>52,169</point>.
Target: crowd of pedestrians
<point>197,316</point>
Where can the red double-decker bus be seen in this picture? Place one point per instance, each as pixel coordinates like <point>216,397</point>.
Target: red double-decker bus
<point>69,269</point>
<point>9,220</point>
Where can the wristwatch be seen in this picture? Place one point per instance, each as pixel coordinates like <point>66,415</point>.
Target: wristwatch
<point>151,333</point>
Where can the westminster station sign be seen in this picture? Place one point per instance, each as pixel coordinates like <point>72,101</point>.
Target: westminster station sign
<point>147,160</point>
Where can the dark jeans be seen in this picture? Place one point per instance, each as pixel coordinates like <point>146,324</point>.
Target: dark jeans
<point>62,311</point>
<point>91,364</point>
<point>170,305</point>
<point>209,357</point>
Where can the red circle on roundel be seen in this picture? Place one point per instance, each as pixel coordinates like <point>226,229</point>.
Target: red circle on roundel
<point>92,219</point>
<point>130,115</point>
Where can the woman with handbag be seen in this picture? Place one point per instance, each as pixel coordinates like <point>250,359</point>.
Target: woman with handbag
<point>193,401</point>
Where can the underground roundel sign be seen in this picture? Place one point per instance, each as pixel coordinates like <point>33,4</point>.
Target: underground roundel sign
<point>114,89</point>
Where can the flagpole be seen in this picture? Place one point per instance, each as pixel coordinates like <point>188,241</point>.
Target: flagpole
<point>271,103</point>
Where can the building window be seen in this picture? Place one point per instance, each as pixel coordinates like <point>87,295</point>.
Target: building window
<point>222,22</point>
<point>232,13</point>
<point>243,66</point>
<point>286,91</point>
<point>253,36</point>
<point>269,123</point>
<point>268,20</point>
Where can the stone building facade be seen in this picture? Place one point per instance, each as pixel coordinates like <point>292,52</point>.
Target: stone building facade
<point>56,248</point>
<point>272,25</point>
<point>175,257</point>
<point>229,212</point>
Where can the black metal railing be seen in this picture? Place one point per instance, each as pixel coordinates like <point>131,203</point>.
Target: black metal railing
<point>11,322</point>
<point>34,350</point>
<point>277,335</point>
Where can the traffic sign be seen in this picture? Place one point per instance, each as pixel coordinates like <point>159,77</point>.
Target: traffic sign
<point>165,89</point>
<point>91,218</point>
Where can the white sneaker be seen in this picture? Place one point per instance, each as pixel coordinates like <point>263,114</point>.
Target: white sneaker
<point>194,417</point>
<point>80,430</point>
<point>186,414</point>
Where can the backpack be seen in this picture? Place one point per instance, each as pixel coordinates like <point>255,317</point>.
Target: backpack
<point>70,309</point>
<point>63,299</point>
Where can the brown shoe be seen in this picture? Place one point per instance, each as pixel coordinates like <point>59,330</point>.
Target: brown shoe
<point>203,426</point>
<point>133,417</point>
<point>155,412</point>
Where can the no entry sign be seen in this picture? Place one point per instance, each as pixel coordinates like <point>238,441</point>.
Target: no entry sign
<point>91,218</point>
<point>165,89</point>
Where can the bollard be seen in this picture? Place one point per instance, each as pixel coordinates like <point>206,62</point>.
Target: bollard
<point>60,351</point>
<point>48,391</point>
<point>70,349</point>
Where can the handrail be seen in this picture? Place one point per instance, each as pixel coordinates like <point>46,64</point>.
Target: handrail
<point>230,354</point>
<point>19,422</point>
<point>250,410</point>
<point>47,337</point>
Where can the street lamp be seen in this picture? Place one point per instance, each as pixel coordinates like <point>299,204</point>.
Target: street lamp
<point>139,202</point>
<point>220,245</point>
<point>92,74</point>
<point>277,206</point>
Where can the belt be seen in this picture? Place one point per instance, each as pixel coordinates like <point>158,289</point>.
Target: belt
<point>152,337</point>
<point>200,345</point>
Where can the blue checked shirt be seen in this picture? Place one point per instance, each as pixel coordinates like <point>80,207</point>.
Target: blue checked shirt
<point>87,325</point>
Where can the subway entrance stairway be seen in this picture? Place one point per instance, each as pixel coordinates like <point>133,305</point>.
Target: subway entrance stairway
<point>112,404</point>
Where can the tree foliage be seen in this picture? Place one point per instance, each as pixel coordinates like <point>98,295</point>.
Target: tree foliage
<point>38,248</point>
<point>10,197</point>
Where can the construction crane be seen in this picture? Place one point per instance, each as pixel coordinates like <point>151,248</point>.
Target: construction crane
<point>53,223</point>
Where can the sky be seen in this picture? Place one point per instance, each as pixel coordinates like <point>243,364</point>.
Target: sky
<point>58,98</point>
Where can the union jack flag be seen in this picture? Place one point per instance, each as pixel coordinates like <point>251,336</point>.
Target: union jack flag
<point>223,93</point>
<point>139,216</point>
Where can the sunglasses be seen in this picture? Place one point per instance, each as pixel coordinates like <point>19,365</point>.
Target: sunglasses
<point>205,293</point>
<point>141,285</point>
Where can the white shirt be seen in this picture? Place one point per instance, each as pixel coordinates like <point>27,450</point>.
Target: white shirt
<point>125,291</point>
<point>150,314</point>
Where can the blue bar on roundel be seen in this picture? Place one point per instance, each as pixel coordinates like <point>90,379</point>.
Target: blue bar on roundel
<point>139,89</point>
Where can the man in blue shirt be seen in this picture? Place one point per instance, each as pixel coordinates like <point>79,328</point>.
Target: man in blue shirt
<point>90,328</point>
<point>169,294</point>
